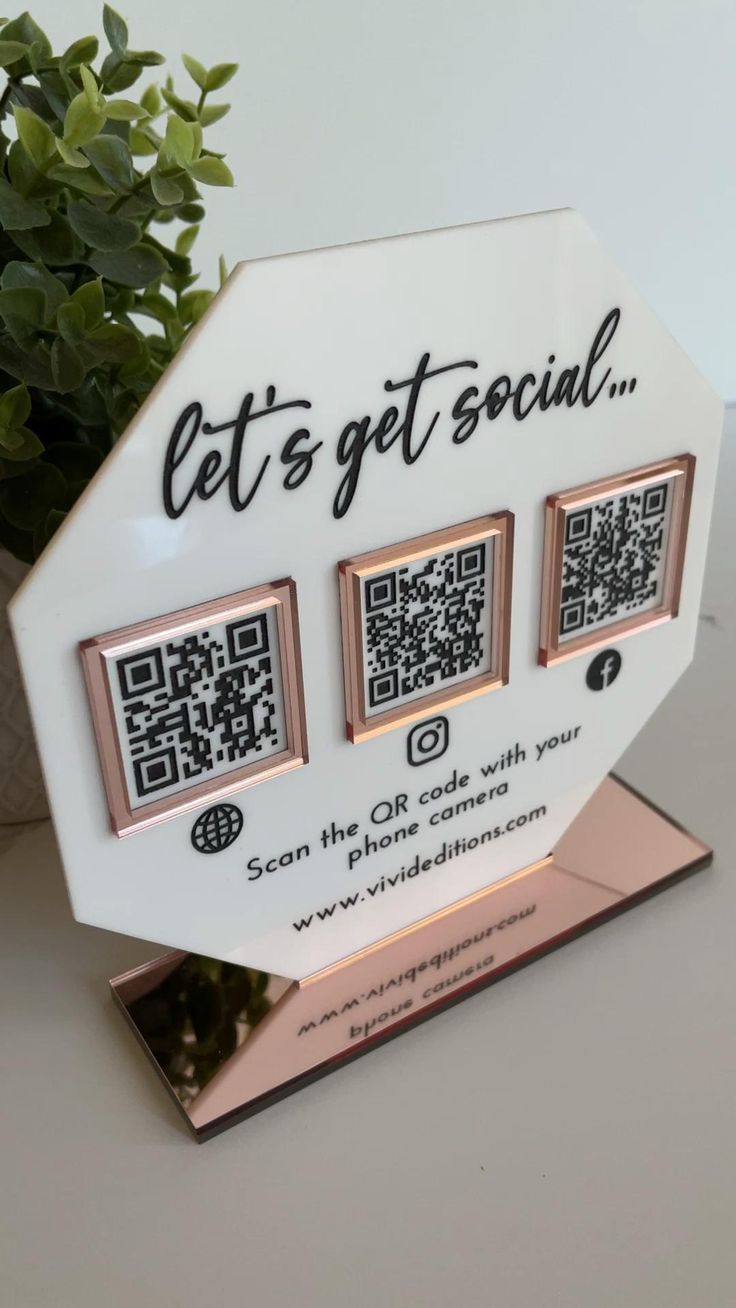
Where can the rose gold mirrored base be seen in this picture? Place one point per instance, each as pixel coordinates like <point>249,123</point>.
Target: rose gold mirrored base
<point>229,1041</point>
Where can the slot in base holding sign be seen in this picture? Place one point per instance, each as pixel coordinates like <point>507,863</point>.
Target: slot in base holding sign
<point>229,1041</point>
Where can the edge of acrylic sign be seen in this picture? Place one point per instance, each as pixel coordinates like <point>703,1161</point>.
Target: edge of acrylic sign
<point>228,1041</point>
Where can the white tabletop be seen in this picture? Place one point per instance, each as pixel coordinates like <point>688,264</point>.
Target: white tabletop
<point>564,1138</point>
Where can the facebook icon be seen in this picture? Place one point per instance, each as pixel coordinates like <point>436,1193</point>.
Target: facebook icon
<point>604,669</point>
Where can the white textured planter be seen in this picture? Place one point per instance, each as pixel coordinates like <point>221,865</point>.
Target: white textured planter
<point>22,793</point>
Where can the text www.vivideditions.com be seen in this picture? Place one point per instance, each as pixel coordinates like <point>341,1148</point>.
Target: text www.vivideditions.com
<point>448,851</point>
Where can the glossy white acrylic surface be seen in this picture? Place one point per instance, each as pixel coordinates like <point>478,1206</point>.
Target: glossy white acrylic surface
<point>331,327</point>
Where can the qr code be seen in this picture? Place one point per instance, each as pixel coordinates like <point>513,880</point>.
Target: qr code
<point>426,625</point>
<point>614,558</point>
<point>198,705</point>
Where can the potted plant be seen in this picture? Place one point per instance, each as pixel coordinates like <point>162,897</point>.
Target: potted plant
<point>95,295</point>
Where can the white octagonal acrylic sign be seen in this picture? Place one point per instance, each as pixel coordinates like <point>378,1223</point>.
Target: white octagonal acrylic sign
<point>392,566</point>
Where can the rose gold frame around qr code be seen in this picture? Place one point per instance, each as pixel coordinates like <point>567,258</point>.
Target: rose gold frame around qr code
<point>500,529</point>
<point>681,472</point>
<point>98,652</point>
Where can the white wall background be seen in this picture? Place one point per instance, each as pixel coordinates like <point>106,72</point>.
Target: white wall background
<point>357,119</point>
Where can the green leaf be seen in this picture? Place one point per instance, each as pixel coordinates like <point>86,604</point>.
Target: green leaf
<point>116,30</point>
<point>191,213</point>
<point>23,173</point>
<point>67,366</point>
<point>84,356</point>
<point>219,75</point>
<point>15,406</point>
<point>25,501</point>
<point>184,108</point>
<point>121,130</point>
<point>91,298</point>
<point>101,230</point>
<point>18,543</point>
<point>118,75</point>
<point>122,301</point>
<point>10,440</point>
<point>11,52</point>
<point>35,135</point>
<point>178,283</point>
<point>87,182</point>
<point>137,366</point>
<point>188,186</point>
<point>18,213</point>
<point>145,58</point>
<point>90,88</point>
<point>114,343</point>
<point>124,111</point>
<point>82,123</point>
<point>259,982</point>
<point>56,244</point>
<point>77,462</point>
<point>22,333</point>
<point>33,366</point>
<point>20,445</point>
<point>141,143</point>
<point>222,269</point>
<point>165,189</point>
<point>179,141</point>
<point>151,100</point>
<point>88,411</point>
<point>83,51</point>
<point>177,263</point>
<point>196,70</point>
<point>156,305</point>
<point>138,266</point>
<point>43,533</point>
<point>16,274</point>
<point>185,240</point>
<point>74,158</point>
<point>54,520</point>
<point>54,93</point>
<point>212,113</point>
<point>111,157</point>
<point>70,321</point>
<point>193,305</point>
<point>211,172</point>
<point>27,31</point>
<point>26,303</point>
<point>123,409</point>
<point>33,97</point>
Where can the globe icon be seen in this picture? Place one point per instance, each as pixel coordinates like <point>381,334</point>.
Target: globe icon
<point>217,828</point>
